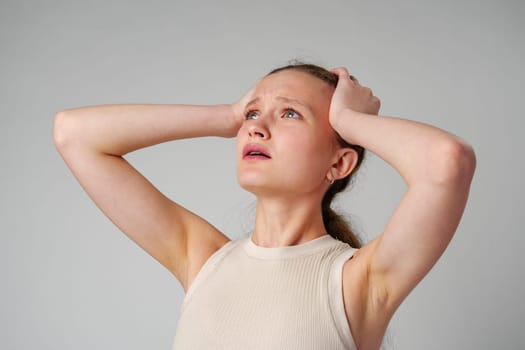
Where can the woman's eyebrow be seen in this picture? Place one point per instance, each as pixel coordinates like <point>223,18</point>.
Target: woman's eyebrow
<point>255,100</point>
<point>280,98</point>
<point>291,100</point>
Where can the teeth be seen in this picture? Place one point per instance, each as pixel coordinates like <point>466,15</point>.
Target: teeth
<point>254,153</point>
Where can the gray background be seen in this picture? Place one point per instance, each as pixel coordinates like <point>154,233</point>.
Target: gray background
<point>71,280</point>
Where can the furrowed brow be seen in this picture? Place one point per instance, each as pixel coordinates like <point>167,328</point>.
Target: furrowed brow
<point>254,101</point>
<point>280,98</point>
<point>293,101</point>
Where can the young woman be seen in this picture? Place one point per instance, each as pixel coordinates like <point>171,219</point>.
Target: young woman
<point>301,280</point>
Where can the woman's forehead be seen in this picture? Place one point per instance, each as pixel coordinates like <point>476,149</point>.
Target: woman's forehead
<point>295,85</point>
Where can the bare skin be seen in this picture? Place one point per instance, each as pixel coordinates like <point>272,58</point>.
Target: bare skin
<point>285,112</point>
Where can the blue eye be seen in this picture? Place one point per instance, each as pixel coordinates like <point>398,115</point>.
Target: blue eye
<point>291,114</point>
<point>252,115</point>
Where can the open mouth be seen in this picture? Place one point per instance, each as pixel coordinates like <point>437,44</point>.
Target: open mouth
<point>257,154</point>
<point>255,151</point>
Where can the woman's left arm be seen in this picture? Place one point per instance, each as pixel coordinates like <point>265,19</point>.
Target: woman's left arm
<point>438,168</point>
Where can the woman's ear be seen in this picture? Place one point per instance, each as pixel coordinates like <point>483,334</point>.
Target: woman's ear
<point>345,161</point>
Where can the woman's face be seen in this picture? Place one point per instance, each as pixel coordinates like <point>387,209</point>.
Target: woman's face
<point>286,145</point>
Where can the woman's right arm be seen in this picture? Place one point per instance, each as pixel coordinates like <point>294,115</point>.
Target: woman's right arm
<point>93,140</point>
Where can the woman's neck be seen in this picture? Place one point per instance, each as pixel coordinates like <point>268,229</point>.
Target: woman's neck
<point>284,222</point>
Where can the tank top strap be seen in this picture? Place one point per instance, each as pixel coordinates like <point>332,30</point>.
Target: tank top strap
<point>335,297</point>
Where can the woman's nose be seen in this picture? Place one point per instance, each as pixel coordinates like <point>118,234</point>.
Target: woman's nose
<point>258,129</point>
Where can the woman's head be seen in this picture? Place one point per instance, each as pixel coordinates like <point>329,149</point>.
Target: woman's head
<point>286,145</point>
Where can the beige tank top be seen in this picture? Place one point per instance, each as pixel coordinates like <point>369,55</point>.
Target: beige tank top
<point>251,297</point>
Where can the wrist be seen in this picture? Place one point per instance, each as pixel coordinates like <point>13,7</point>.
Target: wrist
<point>223,120</point>
<point>340,118</point>
<point>233,120</point>
<point>342,123</point>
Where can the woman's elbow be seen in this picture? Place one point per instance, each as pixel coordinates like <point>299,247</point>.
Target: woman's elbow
<point>63,130</point>
<point>457,163</point>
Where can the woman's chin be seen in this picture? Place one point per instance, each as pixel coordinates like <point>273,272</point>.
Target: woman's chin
<point>258,186</point>
<point>254,187</point>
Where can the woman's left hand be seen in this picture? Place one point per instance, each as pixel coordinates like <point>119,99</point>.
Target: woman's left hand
<point>349,94</point>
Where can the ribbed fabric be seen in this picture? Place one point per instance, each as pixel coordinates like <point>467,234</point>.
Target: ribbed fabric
<point>251,297</point>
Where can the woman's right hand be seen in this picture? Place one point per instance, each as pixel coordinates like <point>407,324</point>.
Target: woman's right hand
<point>238,108</point>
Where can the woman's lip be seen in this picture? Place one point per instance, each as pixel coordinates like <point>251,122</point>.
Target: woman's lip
<point>254,157</point>
<point>255,147</point>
